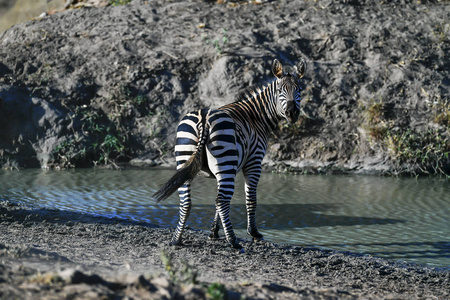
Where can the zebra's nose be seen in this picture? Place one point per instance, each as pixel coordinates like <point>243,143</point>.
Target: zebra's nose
<point>292,113</point>
<point>288,114</point>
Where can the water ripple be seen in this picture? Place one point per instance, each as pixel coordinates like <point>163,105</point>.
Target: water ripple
<point>397,218</point>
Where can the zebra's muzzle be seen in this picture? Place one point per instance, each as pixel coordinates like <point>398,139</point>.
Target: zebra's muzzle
<point>292,114</point>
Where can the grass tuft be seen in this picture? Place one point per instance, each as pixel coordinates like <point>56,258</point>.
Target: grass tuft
<point>119,2</point>
<point>184,274</point>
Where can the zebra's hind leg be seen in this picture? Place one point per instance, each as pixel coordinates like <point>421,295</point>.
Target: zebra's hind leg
<point>251,222</point>
<point>251,182</point>
<point>215,227</point>
<point>224,193</point>
<point>185,208</point>
<point>224,211</point>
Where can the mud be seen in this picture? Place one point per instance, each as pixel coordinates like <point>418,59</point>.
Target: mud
<point>53,254</point>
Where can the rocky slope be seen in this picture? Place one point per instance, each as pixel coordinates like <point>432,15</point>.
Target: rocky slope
<point>108,85</point>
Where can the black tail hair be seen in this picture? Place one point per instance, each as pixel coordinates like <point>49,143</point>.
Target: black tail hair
<point>187,172</point>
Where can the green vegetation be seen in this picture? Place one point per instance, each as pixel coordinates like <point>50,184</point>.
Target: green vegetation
<point>442,113</point>
<point>99,139</point>
<point>375,124</point>
<point>294,129</point>
<point>441,32</point>
<point>218,43</point>
<point>102,138</point>
<point>110,148</point>
<point>119,2</point>
<point>428,151</point>
<point>121,103</point>
<point>105,132</point>
<point>217,291</point>
<point>185,274</point>
<point>40,78</point>
<point>70,151</point>
<point>46,278</point>
<point>139,100</point>
<point>159,117</point>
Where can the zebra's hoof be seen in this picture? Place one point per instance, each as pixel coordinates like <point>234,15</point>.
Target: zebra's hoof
<point>256,235</point>
<point>214,236</point>
<point>236,245</point>
<point>258,238</point>
<point>176,243</point>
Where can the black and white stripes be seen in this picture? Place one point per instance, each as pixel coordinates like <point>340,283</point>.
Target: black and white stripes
<point>221,142</point>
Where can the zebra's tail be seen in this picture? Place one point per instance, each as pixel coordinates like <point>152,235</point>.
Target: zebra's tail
<point>190,168</point>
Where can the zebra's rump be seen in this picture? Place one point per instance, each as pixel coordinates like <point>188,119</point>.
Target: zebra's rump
<point>220,141</point>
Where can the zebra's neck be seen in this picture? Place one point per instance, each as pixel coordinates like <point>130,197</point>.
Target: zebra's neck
<point>257,106</point>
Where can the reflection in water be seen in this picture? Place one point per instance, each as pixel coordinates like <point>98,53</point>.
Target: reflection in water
<point>401,219</point>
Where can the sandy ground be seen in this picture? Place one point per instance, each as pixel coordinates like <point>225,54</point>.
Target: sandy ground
<point>50,254</point>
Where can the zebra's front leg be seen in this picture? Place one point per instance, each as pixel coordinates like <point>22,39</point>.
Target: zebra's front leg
<point>215,226</point>
<point>185,208</point>
<point>251,182</point>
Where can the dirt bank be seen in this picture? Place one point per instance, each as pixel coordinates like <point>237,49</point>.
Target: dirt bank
<point>100,85</point>
<point>57,254</point>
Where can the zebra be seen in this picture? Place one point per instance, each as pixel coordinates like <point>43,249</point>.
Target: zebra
<point>220,142</point>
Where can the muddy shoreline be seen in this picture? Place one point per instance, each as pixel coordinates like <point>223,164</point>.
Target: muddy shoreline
<point>51,254</point>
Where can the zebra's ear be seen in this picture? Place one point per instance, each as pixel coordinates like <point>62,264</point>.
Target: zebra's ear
<point>300,69</point>
<point>277,68</point>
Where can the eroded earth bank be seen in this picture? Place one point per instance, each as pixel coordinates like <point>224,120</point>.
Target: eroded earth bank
<point>107,85</point>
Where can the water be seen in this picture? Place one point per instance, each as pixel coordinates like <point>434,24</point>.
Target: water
<point>401,219</point>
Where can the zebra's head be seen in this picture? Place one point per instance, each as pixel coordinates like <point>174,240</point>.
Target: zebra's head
<point>288,90</point>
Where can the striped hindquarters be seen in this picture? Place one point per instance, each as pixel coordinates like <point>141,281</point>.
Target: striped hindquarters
<point>192,133</point>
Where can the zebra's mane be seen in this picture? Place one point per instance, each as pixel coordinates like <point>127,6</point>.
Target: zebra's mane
<point>249,92</point>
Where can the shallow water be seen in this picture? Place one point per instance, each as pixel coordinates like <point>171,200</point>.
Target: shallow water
<point>402,219</point>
